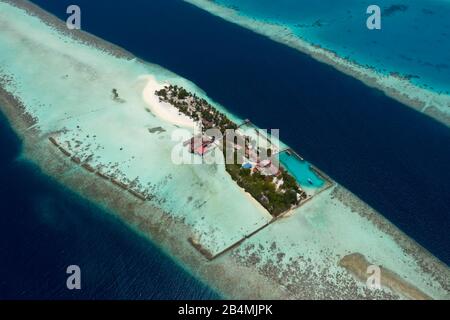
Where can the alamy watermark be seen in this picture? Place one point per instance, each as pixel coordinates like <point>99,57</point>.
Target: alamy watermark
<point>234,146</point>
<point>74,280</point>
<point>374,20</point>
<point>373,281</point>
<point>73,22</point>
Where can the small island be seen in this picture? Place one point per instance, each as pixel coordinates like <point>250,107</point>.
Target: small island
<point>117,156</point>
<point>255,170</point>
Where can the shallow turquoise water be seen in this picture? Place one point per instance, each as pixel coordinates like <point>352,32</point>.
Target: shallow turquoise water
<point>414,39</point>
<point>301,170</point>
<point>352,163</point>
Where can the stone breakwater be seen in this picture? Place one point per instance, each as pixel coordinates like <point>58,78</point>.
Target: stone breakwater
<point>91,169</point>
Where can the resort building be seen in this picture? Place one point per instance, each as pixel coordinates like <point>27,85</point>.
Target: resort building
<point>267,168</point>
<point>200,144</point>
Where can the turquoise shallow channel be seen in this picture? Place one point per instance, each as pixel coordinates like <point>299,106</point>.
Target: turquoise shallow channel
<point>301,170</point>
<point>340,27</point>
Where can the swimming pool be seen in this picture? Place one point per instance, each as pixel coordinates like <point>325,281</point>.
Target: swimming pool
<point>301,170</point>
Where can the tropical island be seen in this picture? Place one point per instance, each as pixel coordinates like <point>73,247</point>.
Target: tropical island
<point>129,146</point>
<point>255,170</point>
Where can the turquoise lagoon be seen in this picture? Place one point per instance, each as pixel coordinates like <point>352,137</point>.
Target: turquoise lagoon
<point>414,40</point>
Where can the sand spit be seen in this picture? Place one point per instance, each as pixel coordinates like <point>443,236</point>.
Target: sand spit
<point>397,87</point>
<point>296,257</point>
<point>358,265</point>
<point>163,110</point>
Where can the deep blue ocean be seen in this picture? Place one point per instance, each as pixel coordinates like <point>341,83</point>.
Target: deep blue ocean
<point>407,42</point>
<point>44,228</point>
<point>394,158</point>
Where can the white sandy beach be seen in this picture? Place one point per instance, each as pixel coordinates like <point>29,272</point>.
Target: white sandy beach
<point>163,110</point>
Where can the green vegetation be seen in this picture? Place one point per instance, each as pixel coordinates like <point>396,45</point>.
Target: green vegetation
<point>263,188</point>
<point>195,107</point>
